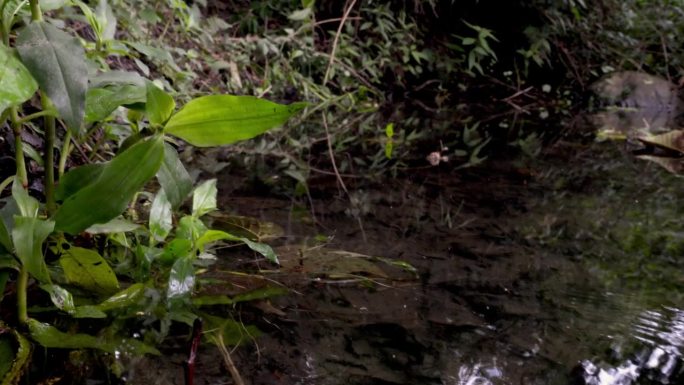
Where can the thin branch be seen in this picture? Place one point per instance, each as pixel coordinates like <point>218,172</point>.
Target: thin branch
<point>228,361</point>
<point>336,40</point>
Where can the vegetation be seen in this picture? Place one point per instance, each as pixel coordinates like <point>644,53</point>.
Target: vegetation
<point>88,94</point>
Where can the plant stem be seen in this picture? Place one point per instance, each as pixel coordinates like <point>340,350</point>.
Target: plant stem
<point>36,14</point>
<point>22,286</point>
<point>18,148</point>
<point>49,156</point>
<point>35,115</point>
<point>64,153</point>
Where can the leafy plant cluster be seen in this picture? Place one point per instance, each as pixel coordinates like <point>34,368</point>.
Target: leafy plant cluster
<point>96,241</point>
<point>592,39</point>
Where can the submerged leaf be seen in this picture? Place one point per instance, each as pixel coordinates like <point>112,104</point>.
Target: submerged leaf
<point>57,61</point>
<point>247,227</point>
<point>217,120</point>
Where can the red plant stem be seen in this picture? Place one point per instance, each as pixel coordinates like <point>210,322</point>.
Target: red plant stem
<point>194,346</point>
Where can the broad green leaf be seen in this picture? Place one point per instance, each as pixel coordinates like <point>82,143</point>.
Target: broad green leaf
<point>107,20</point>
<point>176,249</point>
<point>160,105</point>
<point>112,78</point>
<point>216,120</point>
<point>28,236</point>
<point>161,217</point>
<point>126,298</point>
<point>102,101</point>
<point>15,355</point>
<point>77,179</point>
<point>190,228</point>
<point>57,61</point>
<point>108,196</point>
<point>181,279</point>
<point>173,177</point>
<point>60,297</point>
<point>204,198</point>
<point>116,225</point>
<point>28,205</point>
<point>211,236</point>
<point>16,83</point>
<point>51,337</point>
<point>85,268</point>
<point>262,249</point>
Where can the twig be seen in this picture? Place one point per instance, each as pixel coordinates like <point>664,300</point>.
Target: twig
<point>332,155</point>
<point>339,177</point>
<point>336,40</point>
<point>228,361</point>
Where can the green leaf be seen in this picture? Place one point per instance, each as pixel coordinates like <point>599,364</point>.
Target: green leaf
<point>116,225</point>
<point>204,198</point>
<point>160,105</point>
<point>107,20</point>
<point>51,337</point>
<point>7,214</point>
<point>161,218</point>
<point>262,249</point>
<point>176,249</point>
<point>77,179</point>
<point>223,119</point>
<point>85,268</point>
<point>16,83</point>
<point>28,236</point>
<point>181,279</point>
<point>173,177</point>
<point>28,205</point>
<point>102,101</point>
<point>15,355</point>
<point>211,236</point>
<point>60,297</point>
<point>57,61</point>
<point>51,5</point>
<point>109,195</point>
<point>190,228</point>
<point>126,298</point>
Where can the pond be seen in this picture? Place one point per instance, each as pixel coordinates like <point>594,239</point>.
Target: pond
<point>565,268</point>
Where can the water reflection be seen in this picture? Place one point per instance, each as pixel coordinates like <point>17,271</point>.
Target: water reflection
<point>659,362</point>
